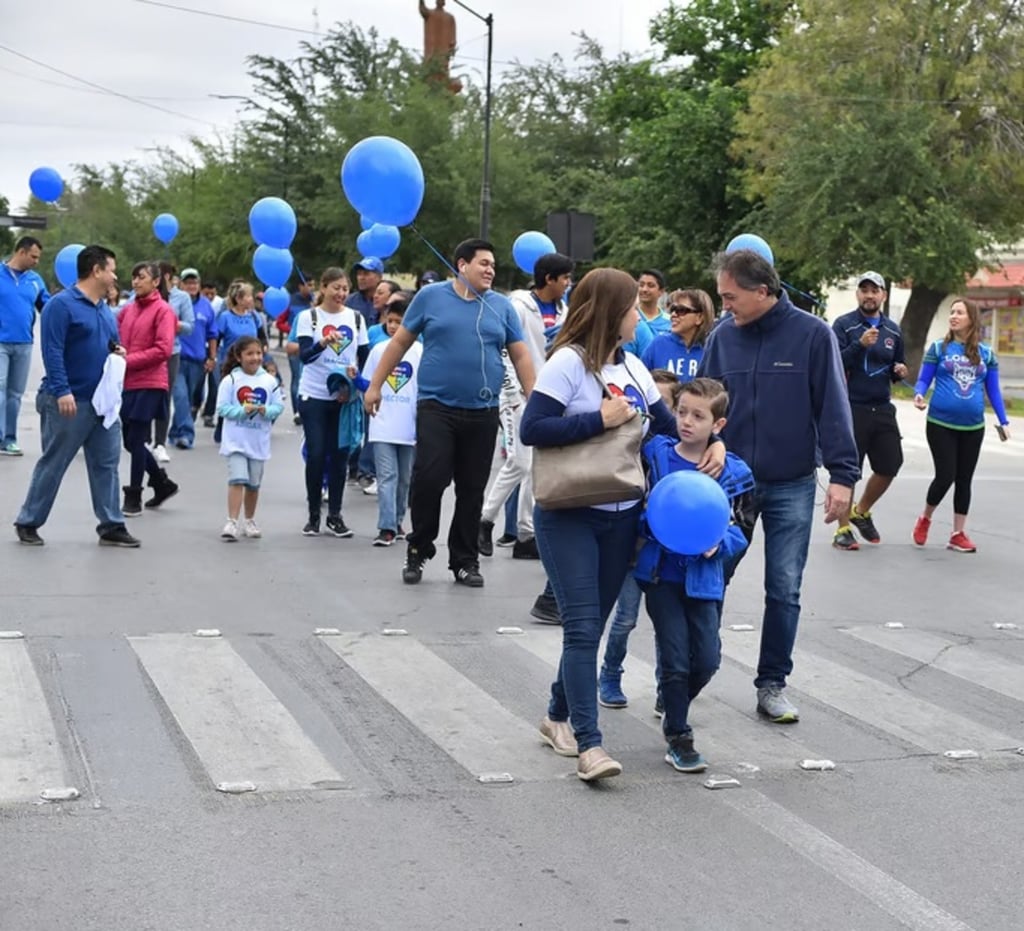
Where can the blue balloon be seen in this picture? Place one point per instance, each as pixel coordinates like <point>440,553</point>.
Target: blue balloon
<point>46,184</point>
<point>65,264</point>
<point>529,247</point>
<point>276,301</point>
<point>165,227</point>
<point>272,223</point>
<point>383,180</point>
<point>272,266</point>
<point>365,222</point>
<point>378,240</point>
<point>688,513</point>
<point>754,243</point>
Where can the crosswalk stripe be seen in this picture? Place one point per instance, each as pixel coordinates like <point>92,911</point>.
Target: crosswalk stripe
<point>466,722</point>
<point>30,757</point>
<point>238,728</point>
<point>961,660</point>
<point>889,709</point>
<point>724,735</point>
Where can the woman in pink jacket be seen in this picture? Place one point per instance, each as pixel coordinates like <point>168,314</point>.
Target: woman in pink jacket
<point>146,326</point>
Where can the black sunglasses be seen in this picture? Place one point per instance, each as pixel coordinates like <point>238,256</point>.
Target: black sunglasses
<point>681,310</point>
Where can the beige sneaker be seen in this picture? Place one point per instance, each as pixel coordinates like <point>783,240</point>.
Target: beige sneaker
<point>559,737</point>
<point>596,764</point>
<point>251,528</point>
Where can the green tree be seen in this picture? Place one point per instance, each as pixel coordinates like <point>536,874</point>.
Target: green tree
<point>891,138</point>
<point>6,236</point>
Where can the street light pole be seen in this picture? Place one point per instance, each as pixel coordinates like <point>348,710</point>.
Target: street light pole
<point>485,187</point>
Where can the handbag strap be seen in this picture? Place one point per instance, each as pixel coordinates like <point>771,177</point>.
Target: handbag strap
<point>605,392</point>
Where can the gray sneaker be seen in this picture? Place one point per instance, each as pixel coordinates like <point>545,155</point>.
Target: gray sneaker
<point>773,704</point>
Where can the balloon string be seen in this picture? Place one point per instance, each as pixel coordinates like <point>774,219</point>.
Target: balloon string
<point>804,294</point>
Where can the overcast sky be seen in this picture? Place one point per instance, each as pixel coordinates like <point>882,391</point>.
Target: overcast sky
<point>176,59</point>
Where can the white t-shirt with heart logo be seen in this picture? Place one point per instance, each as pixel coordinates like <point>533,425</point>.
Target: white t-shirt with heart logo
<point>313,383</point>
<point>251,435</point>
<point>396,418</point>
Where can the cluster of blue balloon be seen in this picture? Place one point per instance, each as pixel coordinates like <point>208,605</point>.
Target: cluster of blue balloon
<point>273,226</point>
<point>529,247</point>
<point>46,184</point>
<point>754,244</point>
<point>688,513</point>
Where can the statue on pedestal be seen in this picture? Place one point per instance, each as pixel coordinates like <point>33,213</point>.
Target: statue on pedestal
<point>439,42</point>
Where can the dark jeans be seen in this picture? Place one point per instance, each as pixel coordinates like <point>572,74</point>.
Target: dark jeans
<point>212,384</point>
<point>135,434</point>
<point>320,425</point>
<point>451,443</point>
<point>586,554</point>
<point>511,511</point>
<point>955,455</point>
<point>689,649</point>
<point>160,427</point>
<point>295,366</point>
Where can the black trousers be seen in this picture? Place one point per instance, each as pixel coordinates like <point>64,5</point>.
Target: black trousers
<point>452,443</point>
<point>955,455</point>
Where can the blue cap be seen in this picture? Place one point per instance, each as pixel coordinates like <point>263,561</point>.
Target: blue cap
<point>371,264</point>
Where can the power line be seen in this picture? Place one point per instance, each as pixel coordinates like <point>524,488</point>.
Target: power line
<point>234,19</point>
<point>89,90</point>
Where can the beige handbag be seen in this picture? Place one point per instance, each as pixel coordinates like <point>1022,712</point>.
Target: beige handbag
<point>602,470</point>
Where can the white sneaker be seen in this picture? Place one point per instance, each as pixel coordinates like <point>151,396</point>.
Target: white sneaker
<point>251,530</point>
<point>371,489</point>
<point>230,532</point>
<point>160,454</point>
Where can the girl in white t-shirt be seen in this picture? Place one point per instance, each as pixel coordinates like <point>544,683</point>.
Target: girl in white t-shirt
<point>392,431</point>
<point>249,399</point>
<point>331,336</point>
<point>587,551</point>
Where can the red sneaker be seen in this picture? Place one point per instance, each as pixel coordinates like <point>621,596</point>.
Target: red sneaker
<point>961,543</point>
<point>921,529</point>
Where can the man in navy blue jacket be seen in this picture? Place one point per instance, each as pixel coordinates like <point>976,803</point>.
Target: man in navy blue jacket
<point>782,369</point>
<point>871,346</point>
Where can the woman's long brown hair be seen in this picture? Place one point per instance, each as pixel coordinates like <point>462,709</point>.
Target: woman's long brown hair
<point>596,308</point>
<point>973,336</point>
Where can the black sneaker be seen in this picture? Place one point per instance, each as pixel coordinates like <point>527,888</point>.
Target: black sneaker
<point>545,610</point>
<point>384,538</point>
<point>209,422</point>
<point>336,525</point>
<point>469,576</point>
<point>845,540</point>
<point>865,526</point>
<point>683,756</point>
<point>484,542</point>
<point>312,528</point>
<point>506,540</point>
<point>28,535</point>
<point>526,549</point>
<point>119,536</point>
<point>412,572</point>
<point>400,535</point>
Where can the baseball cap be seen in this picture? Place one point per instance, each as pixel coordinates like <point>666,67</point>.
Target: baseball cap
<point>429,277</point>
<point>877,280</point>
<point>188,273</point>
<point>371,264</point>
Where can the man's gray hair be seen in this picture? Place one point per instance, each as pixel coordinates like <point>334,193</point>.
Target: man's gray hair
<point>748,269</point>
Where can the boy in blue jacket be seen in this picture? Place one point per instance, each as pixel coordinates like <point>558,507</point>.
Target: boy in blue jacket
<point>684,593</point>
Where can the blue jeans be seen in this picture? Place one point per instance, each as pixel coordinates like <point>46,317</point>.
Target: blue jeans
<point>295,365</point>
<point>62,438</point>
<point>15,362</point>
<point>689,649</point>
<point>786,510</point>
<point>320,425</point>
<point>511,512</point>
<point>586,554</point>
<point>394,471</point>
<point>188,383</point>
<point>627,610</point>
<point>367,463</point>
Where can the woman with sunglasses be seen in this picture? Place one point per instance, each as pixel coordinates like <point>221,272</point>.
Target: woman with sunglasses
<point>691,317</point>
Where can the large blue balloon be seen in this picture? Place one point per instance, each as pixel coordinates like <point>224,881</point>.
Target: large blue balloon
<point>165,227</point>
<point>383,180</point>
<point>46,184</point>
<point>272,222</point>
<point>754,243</point>
<point>365,223</point>
<point>276,301</point>
<point>272,266</point>
<point>378,240</point>
<point>529,247</point>
<point>688,513</point>
<point>65,264</point>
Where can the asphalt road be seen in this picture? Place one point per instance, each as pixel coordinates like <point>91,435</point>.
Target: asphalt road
<point>366,750</point>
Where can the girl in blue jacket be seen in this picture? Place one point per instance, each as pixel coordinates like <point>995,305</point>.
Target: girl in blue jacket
<point>684,593</point>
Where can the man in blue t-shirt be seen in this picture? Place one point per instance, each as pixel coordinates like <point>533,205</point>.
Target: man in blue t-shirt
<point>188,386</point>
<point>465,326</point>
<point>367,274</point>
<point>22,293</point>
<point>650,291</point>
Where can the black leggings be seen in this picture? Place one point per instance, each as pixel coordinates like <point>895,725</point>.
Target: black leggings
<point>135,436</point>
<point>955,454</point>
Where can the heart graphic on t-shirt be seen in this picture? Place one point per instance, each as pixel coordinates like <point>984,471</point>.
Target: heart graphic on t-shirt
<point>249,395</point>
<point>631,394</point>
<point>344,337</point>
<point>400,376</point>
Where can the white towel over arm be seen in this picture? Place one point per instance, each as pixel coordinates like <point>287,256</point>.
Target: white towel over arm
<point>106,399</point>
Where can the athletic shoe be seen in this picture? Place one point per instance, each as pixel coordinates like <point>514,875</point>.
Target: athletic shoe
<point>384,538</point>
<point>545,610</point>
<point>365,481</point>
<point>682,756</point>
<point>209,422</point>
<point>773,705</point>
<point>469,576</point>
<point>865,525</point>
<point>336,525</point>
<point>160,454</point>
<point>609,690</point>
<point>230,531</point>
<point>921,529</point>
<point>312,528</point>
<point>119,536</point>
<point>506,540</point>
<point>182,444</point>
<point>559,737</point>
<point>845,540</point>
<point>412,572</point>
<point>659,707</point>
<point>28,535</point>
<point>251,530</point>
<point>526,549</point>
<point>400,534</point>
<point>961,543</point>
<point>297,420</point>
<point>11,449</point>
<point>596,764</point>
<point>483,538</point>
<point>371,489</point>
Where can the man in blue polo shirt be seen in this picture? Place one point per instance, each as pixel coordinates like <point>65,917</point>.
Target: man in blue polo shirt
<point>22,293</point>
<point>77,335</point>
<point>465,326</point>
<point>192,368</point>
<point>367,274</point>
